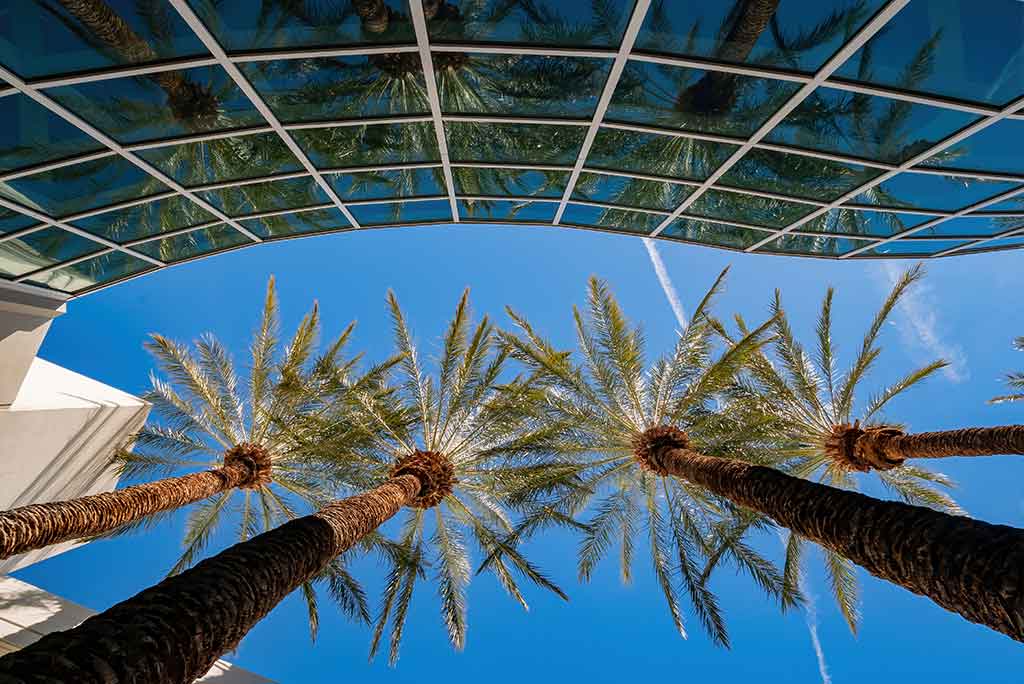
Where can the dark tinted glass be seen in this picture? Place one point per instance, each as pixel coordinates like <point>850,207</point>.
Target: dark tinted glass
<point>286,225</point>
<point>224,159</point>
<point>31,135</point>
<point>143,220</point>
<point>522,143</point>
<point>515,182</point>
<point>42,248</point>
<point>630,192</point>
<point>98,270</point>
<point>505,210</point>
<point>193,244</point>
<point>369,145</point>
<point>658,155</point>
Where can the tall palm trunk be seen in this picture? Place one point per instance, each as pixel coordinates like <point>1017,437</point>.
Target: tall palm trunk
<point>173,632</point>
<point>966,566</point>
<point>884,448</point>
<point>40,525</point>
<point>715,92</point>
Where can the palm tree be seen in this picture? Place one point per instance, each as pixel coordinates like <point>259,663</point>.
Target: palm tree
<point>658,421</point>
<point>447,445</point>
<point>1014,380</point>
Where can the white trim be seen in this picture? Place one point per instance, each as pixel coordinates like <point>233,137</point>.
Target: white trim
<point>122,72</point>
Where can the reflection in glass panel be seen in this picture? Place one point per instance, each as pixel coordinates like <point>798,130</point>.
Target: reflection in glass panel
<point>341,87</point>
<point>797,175</point>
<point>11,221</point>
<point>519,85</point>
<point>867,126</point>
<point>143,220</point>
<point>48,38</point>
<point>84,186</point>
<point>368,145</point>
<point>618,220</point>
<point>695,100</point>
<point>42,248</point>
<point>515,182</point>
<point>244,25</point>
<point>793,34</point>
<point>523,143</point>
<point>101,269</point>
<point>658,155</point>
<point>291,193</point>
<point>948,48</point>
<point>880,224</point>
<point>998,147</point>
<point>427,211</point>
<point>734,206</point>
<point>973,226</point>
<point>223,159</point>
<point>909,248</point>
<point>928,191</point>
<point>1014,204</point>
<point>31,135</point>
<point>812,245</point>
<point>711,233</point>
<point>192,244</point>
<point>284,225</point>
<point>1005,243</point>
<point>506,210</point>
<point>385,184</point>
<point>163,105</point>
<point>539,22</point>
<point>631,192</point>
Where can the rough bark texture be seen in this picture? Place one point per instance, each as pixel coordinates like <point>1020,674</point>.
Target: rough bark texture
<point>967,566</point>
<point>173,632</point>
<point>436,474</point>
<point>884,447</point>
<point>374,15</point>
<point>715,92</point>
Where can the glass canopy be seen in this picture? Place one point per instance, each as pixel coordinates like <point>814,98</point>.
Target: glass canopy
<point>139,135</point>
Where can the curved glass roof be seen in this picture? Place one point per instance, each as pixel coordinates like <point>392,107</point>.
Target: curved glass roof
<point>137,135</point>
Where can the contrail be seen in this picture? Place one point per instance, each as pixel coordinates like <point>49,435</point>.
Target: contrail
<point>812,627</point>
<point>666,283</point>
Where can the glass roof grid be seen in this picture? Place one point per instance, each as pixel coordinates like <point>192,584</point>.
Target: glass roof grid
<point>928,191</point>
<point>988,245</point>
<point>715,233</point>
<point>32,136</point>
<point>280,226</point>
<point>996,148</point>
<point>396,213</point>
<point>827,246</point>
<point>612,218</point>
<point>42,249</point>
<point>13,221</point>
<point>973,227</point>
<point>368,145</point>
<point>910,248</point>
<point>390,184</point>
<point>723,205</point>
<point>629,193</point>
<point>858,223</point>
<point>270,196</point>
<point>88,274</point>
<point>511,210</point>
<point>523,143</point>
<point>193,243</point>
<point>498,182</point>
<point>657,155</point>
<point>143,220</point>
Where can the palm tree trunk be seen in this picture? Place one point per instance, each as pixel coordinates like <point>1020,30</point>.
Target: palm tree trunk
<point>173,632</point>
<point>966,566</point>
<point>39,525</point>
<point>883,447</point>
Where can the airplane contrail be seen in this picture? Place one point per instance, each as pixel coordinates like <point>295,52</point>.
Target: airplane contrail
<point>666,283</point>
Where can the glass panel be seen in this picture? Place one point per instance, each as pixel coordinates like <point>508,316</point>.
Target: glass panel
<point>539,22</point>
<point>43,39</point>
<point>948,48</point>
<point>812,245</point>
<point>867,126</point>
<point>519,85</point>
<point>734,206</point>
<point>908,248</point>
<point>517,182</point>
<point>81,187</point>
<point>744,32</point>
<point>315,221</point>
<point>797,175</point>
<point>613,219</point>
<point>1005,243</point>
<point>506,210</point>
<point>292,193</point>
<point>386,184</point>
<point>630,192</point>
<point>91,272</point>
<point>243,25</point>
<point>43,248</point>
<point>143,220</point>
<point>168,104</point>
<point>659,155</point>
<point>880,224</point>
<point>429,211</point>
<point>224,159</point>
<point>192,244</point>
<point>522,143</point>
<point>368,145</point>
<point>11,221</point>
<point>998,147</point>
<point>973,226</point>
<point>1015,204</point>
<point>341,87</point>
<point>695,100</point>
<point>31,135</point>
<point>711,233</point>
<point>927,191</point>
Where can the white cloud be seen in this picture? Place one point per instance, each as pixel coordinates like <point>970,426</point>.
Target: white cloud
<point>918,323</point>
<point>666,283</point>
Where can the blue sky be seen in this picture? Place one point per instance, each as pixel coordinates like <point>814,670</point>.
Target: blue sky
<point>968,310</point>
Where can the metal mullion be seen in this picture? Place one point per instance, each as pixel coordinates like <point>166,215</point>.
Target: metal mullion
<point>122,72</point>
<point>56,267</point>
<point>511,166</point>
<point>509,198</point>
<point>971,245</point>
<point>206,37</point>
<point>967,173</point>
<point>396,200</point>
<point>514,49</point>
<point>352,123</point>
<point>619,207</point>
<point>419,24</point>
<point>894,210</point>
<point>315,53</point>
<point>282,212</point>
<point>118,206</point>
<point>829,156</point>
<point>22,232</point>
<point>640,176</point>
<point>710,65</point>
<point>845,52</point>
<point>518,120</point>
<point>115,146</point>
<point>912,97</point>
<point>725,222</point>
<point>382,167</point>
<point>618,66</point>
<point>53,166</point>
<point>672,132</point>
<point>197,138</point>
<point>171,233</point>
<point>242,182</point>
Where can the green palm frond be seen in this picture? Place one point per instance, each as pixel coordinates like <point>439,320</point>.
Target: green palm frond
<point>1015,381</point>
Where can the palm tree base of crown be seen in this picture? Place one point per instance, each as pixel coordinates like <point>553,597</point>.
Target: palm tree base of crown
<point>436,474</point>
<point>653,442</point>
<point>255,459</point>
<point>852,447</point>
